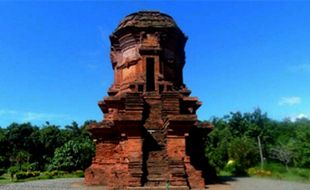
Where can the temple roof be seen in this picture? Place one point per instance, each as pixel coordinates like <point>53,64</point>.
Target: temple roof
<point>145,19</point>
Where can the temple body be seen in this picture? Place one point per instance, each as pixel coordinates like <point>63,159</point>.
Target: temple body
<point>149,112</point>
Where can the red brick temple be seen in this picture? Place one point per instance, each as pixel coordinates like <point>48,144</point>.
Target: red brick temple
<point>143,140</point>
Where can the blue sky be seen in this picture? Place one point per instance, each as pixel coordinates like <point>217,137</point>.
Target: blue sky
<point>54,57</point>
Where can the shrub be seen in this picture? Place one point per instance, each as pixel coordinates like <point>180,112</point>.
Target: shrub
<point>26,167</point>
<point>57,173</point>
<point>230,166</point>
<point>251,171</point>
<point>275,167</point>
<point>259,172</point>
<point>79,173</point>
<point>73,155</point>
<point>20,175</point>
<point>35,173</point>
<point>12,170</point>
<point>53,174</point>
<point>303,173</point>
<point>24,175</point>
<point>29,166</point>
<point>48,175</point>
<point>243,150</point>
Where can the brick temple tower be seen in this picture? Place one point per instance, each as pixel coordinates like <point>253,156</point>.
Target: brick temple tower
<point>148,113</point>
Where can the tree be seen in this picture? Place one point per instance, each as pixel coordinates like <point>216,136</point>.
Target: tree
<point>73,155</point>
<point>235,137</point>
<point>19,136</point>
<point>283,154</point>
<point>238,124</point>
<point>3,149</point>
<point>45,141</point>
<point>217,144</point>
<point>243,150</point>
<point>301,143</point>
<point>19,158</point>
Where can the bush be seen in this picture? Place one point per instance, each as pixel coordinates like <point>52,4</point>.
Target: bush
<point>29,166</point>
<point>54,173</point>
<point>275,167</point>
<point>244,151</point>
<point>258,172</point>
<point>21,175</point>
<point>12,170</point>
<point>230,167</point>
<point>73,155</point>
<point>48,175</point>
<point>25,175</point>
<point>79,173</point>
<point>25,167</point>
<point>303,174</point>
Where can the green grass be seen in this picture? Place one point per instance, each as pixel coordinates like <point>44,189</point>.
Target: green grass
<point>5,178</point>
<point>223,173</point>
<point>278,171</point>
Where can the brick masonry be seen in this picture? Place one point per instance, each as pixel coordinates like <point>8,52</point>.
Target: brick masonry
<point>144,140</point>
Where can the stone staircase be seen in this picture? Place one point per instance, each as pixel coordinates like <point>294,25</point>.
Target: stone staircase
<point>157,158</point>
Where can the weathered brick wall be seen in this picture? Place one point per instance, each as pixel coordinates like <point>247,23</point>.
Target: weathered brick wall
<point>141,143</point>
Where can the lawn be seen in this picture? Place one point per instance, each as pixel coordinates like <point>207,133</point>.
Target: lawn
<point>276,171</point>
<point>5,178</point>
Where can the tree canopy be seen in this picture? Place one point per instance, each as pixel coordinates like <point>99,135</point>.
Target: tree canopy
<point>40,148</point>
<point>234,139</point>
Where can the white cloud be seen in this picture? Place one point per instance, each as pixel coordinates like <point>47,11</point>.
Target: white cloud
<point>32,116</point>
<point>4,112</point>
<point>299,116</point>
<point>290,101</point>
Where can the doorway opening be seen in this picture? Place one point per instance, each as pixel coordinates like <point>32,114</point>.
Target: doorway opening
<point>150,78</point>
